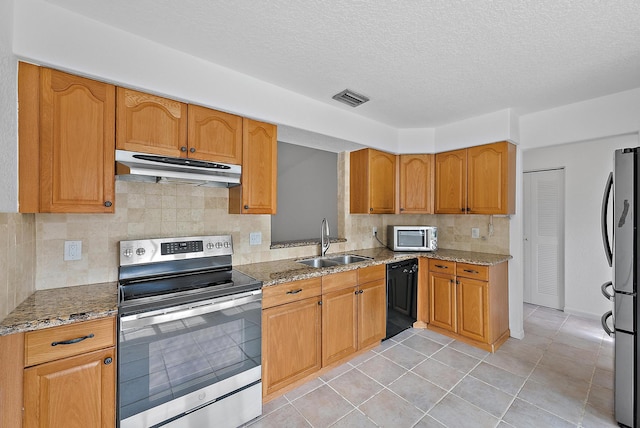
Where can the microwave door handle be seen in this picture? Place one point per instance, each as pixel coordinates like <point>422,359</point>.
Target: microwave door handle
<point>604,217</point>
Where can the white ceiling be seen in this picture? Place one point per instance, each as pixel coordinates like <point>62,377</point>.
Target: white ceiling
<point>422,63</point>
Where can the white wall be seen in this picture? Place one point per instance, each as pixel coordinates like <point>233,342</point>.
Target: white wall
<point>8,112</point>
<point>488,128</point>
<point>587,165</point>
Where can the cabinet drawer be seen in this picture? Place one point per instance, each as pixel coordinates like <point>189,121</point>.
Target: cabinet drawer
<point>48,344</point>
<point>467,270</point>
<point>291,292</point>
<point>442,266</point>
<point>372,273</point>
<point>338,281</point>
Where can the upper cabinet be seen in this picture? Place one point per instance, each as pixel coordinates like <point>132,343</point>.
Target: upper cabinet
<point>372,182</point>
<point>67,139</point>
<point>214,136</point>
<point>257,191</point>
<point>477,180</point>
<point>151,124</point>
<point>416,184</point>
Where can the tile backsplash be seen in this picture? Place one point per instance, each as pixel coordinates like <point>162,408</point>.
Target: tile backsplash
<point>17,260</point>
<point>149,210</point>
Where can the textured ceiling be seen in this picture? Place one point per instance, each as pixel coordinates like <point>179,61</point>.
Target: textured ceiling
<point>422,63</point>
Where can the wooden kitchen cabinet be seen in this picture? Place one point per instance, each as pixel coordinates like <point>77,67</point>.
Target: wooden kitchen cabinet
<point>70,384</point>
<point>214,136</point>
<point>476,180</point>
<point>291,333</point>
<point>470,302</point>
<point>257,191</point>
<point>416,183</point>
<point>339,316</point>
<point>372,182</point>
<point>442,294</point>
<point>422,308</point>
<point>151,124</point>
<point>353,312</point>
<point>67,139</point>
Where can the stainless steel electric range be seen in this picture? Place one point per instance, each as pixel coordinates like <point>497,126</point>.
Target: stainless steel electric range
<point>189,350</point>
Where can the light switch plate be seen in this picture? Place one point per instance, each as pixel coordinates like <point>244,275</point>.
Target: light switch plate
<point>72,250</point>
<point>475,232</point>
<point>255,238</point>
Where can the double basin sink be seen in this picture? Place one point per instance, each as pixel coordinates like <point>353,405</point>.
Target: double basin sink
<point>319,262</point>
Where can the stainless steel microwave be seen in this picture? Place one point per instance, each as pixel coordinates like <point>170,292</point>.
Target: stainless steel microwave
<point>412,238</point>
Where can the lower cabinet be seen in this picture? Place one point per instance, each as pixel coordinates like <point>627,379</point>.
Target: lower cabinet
<point>314,323</point>
<point>470,302</point>
<point>291,333</point>
<point>72,382</point>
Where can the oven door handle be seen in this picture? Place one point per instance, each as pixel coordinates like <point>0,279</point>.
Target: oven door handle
<point>145,319</point>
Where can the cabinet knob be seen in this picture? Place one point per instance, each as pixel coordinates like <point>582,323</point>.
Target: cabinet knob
<point>401,209</point>
<point>319,302</point>
<point>468,209</point>
<point>192,149</point>
<point>370,209</point>
<point>108,361</point>
<point>246,207</point>
<point>183,149</point>
<point>462,209</point>
<point>108,204</point>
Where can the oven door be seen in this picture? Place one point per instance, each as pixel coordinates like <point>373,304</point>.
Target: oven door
<point>177,362</point>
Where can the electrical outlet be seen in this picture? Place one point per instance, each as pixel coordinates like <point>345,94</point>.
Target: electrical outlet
<point>375,230</point>
<point>255,238</point>
<point>475,232</point>
<point>72,250</point>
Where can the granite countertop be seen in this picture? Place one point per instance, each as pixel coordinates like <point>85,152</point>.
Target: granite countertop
<point>48,308</point>
<point>281,271</point>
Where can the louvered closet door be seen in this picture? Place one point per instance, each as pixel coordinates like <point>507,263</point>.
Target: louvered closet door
<point>544,238</point>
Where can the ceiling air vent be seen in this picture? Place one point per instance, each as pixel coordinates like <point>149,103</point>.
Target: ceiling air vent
<point>350,98</point>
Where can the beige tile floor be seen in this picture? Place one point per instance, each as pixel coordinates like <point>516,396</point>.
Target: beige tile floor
<point>559,375</point>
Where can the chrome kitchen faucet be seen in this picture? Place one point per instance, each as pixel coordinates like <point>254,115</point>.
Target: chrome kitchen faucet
<point>324,237</point>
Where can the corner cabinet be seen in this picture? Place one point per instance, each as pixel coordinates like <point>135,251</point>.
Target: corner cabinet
<point>416,184</point>
<point>73,384</point>
<point>372,182</point>
<point>470,302</point>
<point>476,180</point>
<point>67,139</point>
<point>257,191</point>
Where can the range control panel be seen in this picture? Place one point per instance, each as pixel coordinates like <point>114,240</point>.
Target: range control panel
<point>165,249</point>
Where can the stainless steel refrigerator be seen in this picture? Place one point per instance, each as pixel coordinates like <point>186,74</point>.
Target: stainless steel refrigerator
<point>622,254</point>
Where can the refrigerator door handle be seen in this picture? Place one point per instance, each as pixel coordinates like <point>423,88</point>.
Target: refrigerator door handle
<point>603,219</point>
<point>603,321</point>
<point>604,287</point>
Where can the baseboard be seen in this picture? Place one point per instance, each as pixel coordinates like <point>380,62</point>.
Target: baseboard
<point>517,334</point>
<point>582,314</point>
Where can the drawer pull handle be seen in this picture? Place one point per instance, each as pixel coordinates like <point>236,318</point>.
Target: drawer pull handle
<point>471,271</point>
<point>108,361</point>
<point>442,266</point>
<point>72,341</point>
<point>294,291</point>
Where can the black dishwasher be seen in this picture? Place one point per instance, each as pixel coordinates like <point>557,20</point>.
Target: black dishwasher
<point>402,291</point>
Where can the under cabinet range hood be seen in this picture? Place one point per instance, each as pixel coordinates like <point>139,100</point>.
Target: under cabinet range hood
<point>134,166</point>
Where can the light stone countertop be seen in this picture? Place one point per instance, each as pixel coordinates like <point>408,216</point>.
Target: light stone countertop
<point>287,270</point>
<point>59,306</point>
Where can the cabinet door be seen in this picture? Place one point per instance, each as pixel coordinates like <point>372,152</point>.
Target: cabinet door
<point>442,301</point>
<point>291,343</point>
<point>214,136</point>
<point>491,178</point>
<point>151,124</point>
<point>73,392</point>
<point>77,167</point>
<point>472,309</point>
<point>382,182</point>
<point>339,325</point>
<point>372,313</point>
<point>451,182</point>
<point>257,193</point>
<point>416,184</point>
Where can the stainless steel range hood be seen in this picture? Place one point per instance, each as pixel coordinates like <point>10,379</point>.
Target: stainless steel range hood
<point>134,166</point>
